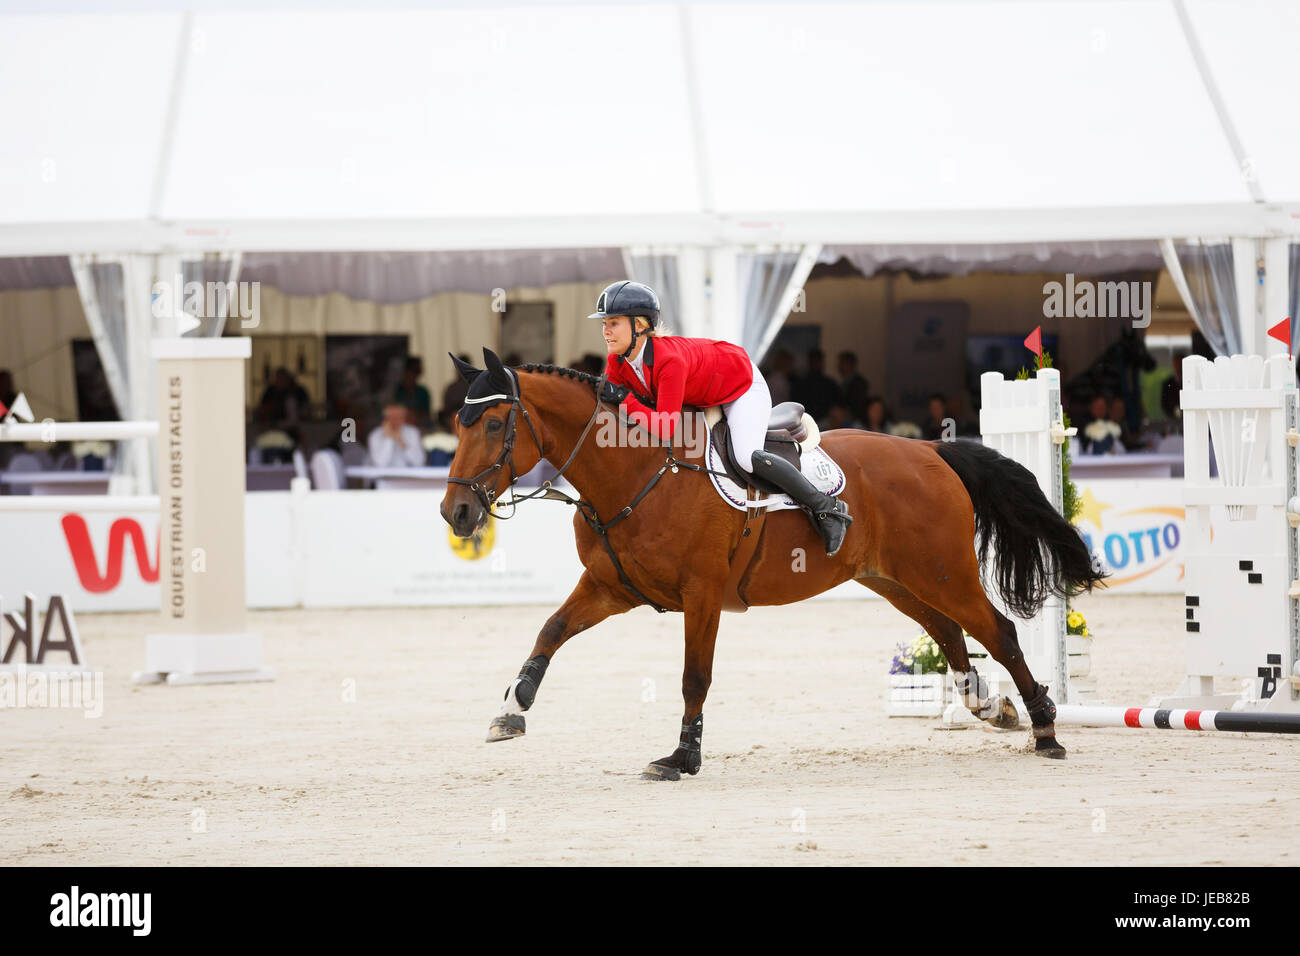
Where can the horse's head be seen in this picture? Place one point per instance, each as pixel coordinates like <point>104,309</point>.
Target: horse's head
<point>498,443</point>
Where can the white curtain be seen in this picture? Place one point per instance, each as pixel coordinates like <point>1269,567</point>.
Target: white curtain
<point>109,290</point>
<point>763,278</point>
<point>1293,296</point>
<point>203,271</point>
<point>658,270</point>
<point>1202,271</point>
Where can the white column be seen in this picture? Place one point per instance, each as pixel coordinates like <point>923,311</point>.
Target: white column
<point>1245,254</point>
<point>693,291</point>
<point>725,319</point>
<point>137,293</point>
<point>1277,291</point>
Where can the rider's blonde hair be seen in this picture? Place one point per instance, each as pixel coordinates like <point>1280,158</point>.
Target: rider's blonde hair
<point>643,323</point>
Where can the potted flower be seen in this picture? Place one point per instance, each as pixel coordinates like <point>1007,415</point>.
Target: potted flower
<point>275,447</point>
<point>905,430</point>
<point>916,679</point>
<point>1103,437</point>
<point>91,455</point>
<point>1078,644</point>
<point>441,447</point>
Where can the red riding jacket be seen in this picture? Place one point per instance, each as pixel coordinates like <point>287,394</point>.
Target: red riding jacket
<point>681,371</point>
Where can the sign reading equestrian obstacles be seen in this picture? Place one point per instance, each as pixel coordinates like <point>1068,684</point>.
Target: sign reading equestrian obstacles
<point>202,637</point>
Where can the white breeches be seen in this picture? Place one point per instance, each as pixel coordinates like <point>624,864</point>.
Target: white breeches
<point>747,417</point>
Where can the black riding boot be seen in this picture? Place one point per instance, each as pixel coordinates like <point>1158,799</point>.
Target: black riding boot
<point>830,516</point>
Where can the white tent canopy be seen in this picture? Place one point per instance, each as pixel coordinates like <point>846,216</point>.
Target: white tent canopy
<point>616,125</point>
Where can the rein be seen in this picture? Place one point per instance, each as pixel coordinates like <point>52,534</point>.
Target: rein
<point>487,497</point>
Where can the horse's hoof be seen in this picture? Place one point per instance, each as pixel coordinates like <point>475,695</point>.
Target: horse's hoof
<point>1007,718</point>
<point>657,771</point>
<point>505,727</point>
<point>1049,748</point>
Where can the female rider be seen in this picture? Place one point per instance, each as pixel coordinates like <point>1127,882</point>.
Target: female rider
<point>673,371</point>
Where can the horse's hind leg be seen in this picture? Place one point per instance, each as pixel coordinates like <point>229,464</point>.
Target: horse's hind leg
<point>998,712</point>
<point>962,598</point>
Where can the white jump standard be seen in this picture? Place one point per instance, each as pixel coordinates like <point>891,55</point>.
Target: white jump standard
<point>1242,603</point>
<point>1242,579</point>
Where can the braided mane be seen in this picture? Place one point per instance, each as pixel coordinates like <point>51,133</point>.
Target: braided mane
<point>592,380</point>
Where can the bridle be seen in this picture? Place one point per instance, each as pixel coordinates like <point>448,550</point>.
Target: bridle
<point>479,484</point>
<point>487,497</point>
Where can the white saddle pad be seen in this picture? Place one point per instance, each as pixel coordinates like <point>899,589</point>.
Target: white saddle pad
<point>817,466</point>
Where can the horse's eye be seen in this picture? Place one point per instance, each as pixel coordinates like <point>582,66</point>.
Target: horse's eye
<point>493,426</point>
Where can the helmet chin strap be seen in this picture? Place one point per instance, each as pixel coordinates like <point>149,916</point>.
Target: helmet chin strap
<point>636,333</point>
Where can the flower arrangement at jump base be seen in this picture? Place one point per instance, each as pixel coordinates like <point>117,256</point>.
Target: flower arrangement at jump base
<point>1078,648</point>
<point>916,679</point>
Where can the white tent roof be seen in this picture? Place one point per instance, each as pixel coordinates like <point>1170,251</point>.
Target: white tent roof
<point>631,124</point>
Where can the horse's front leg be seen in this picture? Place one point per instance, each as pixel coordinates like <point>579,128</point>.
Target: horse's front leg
<point>702,614</point>
<point>588,605</point>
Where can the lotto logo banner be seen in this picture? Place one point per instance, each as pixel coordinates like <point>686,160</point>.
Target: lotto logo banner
<point>1135,528</point>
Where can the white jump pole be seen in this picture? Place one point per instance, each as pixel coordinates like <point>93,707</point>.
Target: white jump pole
<point>1168,718</point>
<point>53,431</point>
<point>202,636</point>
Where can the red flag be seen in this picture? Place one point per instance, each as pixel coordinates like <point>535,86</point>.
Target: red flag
<point>1282,332</point>
<point>1035,341</point>
<point>3,411</point>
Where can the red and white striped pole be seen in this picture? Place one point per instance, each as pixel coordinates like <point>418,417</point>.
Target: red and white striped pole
<point>1156,718</point>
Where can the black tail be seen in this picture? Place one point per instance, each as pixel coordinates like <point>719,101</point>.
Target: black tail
<point>1038,553</point>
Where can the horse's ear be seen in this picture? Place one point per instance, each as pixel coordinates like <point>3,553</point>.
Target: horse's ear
<point>496,371</point>
<point>467,372</point>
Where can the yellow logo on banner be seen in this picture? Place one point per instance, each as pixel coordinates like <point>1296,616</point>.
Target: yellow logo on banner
<point>478,545</point>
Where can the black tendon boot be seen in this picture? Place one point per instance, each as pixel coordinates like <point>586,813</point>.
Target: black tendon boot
<point>830,516</point>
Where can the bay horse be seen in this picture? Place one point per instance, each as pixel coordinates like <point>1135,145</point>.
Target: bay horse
<point>650,529</point>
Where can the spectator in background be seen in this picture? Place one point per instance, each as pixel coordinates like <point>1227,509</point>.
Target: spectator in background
<point>453,396</point>
<point>816,391</point>
<point>966,427</point>
<point>413,396</point>
<point>854,389</point>
<point>936,419</point>
<point>395,444</point>
<point>1118,413</point>
<point>284,402</point>
<point>1169,392</point>
<point>1100,435</point>
<point>779,382</point>
<point>840,416</point>
<point>7,395</point>
<point>878,419</point>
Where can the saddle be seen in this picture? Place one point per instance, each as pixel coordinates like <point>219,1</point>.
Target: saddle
<point>790,432</point>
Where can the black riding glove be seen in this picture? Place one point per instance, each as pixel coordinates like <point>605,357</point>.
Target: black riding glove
<point>613,394</point>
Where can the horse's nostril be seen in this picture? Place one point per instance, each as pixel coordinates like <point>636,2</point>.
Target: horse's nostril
<point>459,514</point>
